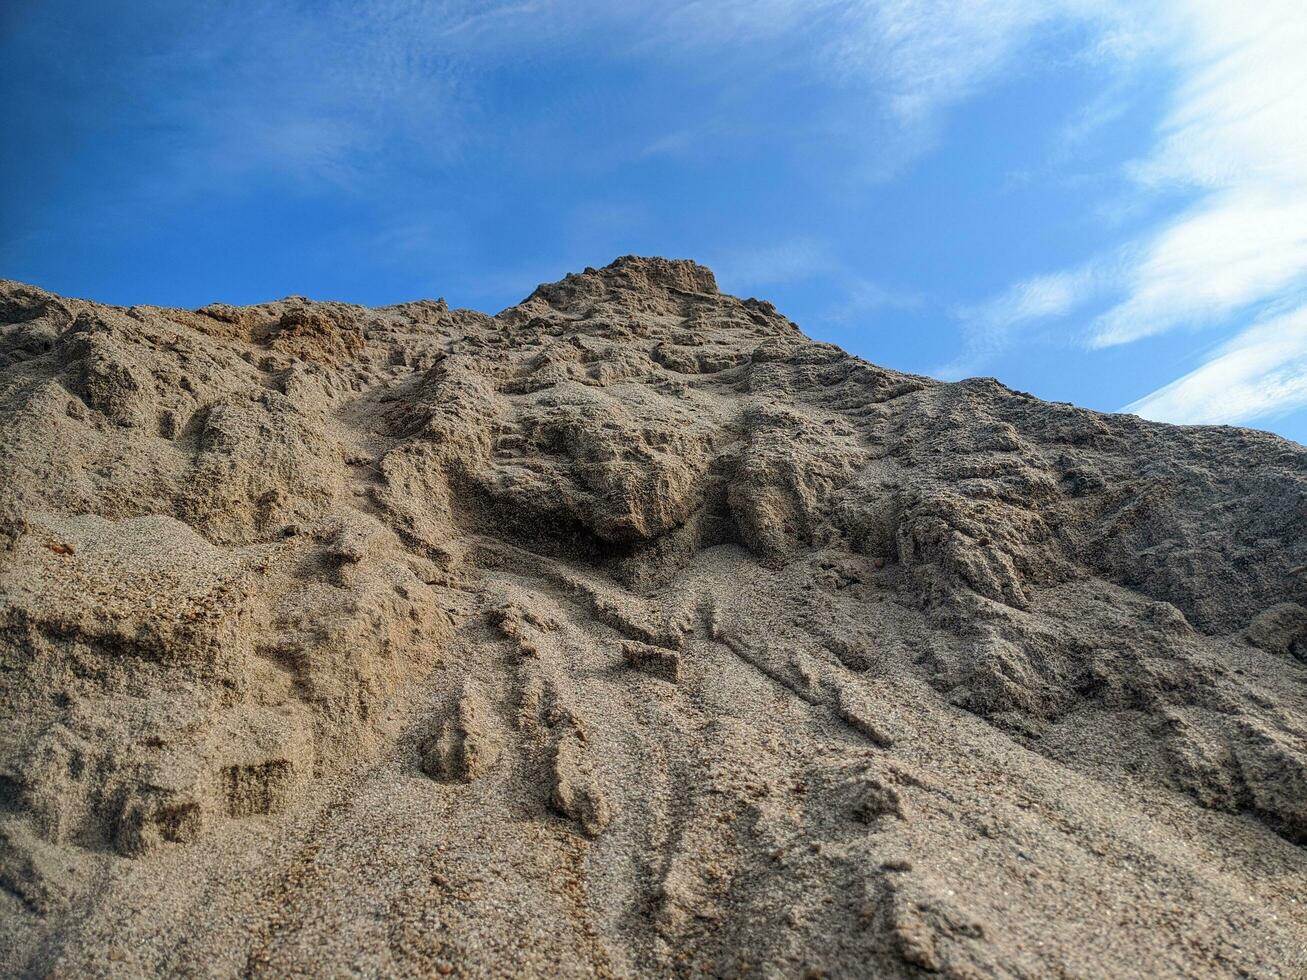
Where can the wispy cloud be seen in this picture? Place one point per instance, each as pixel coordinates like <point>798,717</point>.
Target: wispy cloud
<point>895,65</point>
<point>1237,248</point>
<point>248,88</point>
<point>920,58</point>
<point>1107,107</point>
<point>1259,374</point>
<point>1235,132</point>
<point>989,327</point>
<point>224,93</point>
<point>807,261</point>
<point>928,54</point>
<point>1233,139</point>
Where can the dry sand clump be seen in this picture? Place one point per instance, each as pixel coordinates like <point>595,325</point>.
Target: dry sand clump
<point>627,632</point>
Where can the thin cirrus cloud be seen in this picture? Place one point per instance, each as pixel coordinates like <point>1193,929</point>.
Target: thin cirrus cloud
<point>926,54</point>
<point>248,88</point>
<point>989,327</point>
<point>224,94</point>
<point>1261,373</point>
<point>1235,249</point>
<point>1233,139</point>
<point>1235,132</point>
<point>897,65</point>
<point>918,58</point>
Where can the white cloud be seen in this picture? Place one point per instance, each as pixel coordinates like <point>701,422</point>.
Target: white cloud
<point>1235,132</point>
<point>1108,106</point>
<point>217,94</point>
<point>228,92</point>
<point>898,65</point>
<point>989,327</point>
<point>247,88</point>
<point>1042,296</point>
<point>1237,113</point>
<point>919,58</point>
<point>1237,248</point>
<point>926,54</point>
<point>1234,137</point>
<point>1262,372</point>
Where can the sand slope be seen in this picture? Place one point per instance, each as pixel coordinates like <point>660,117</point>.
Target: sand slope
<point>628,632</point>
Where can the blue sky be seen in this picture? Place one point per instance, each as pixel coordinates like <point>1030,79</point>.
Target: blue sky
<point>1095,202</point>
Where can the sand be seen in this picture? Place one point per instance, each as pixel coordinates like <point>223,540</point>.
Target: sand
<point>628,632</point>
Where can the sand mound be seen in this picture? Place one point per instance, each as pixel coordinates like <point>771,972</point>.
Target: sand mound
<point>627,632</point>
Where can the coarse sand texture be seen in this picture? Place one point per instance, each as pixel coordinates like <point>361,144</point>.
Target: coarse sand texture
<point>627,633</point>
